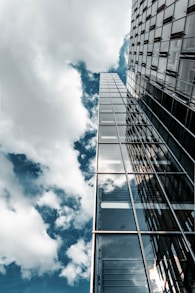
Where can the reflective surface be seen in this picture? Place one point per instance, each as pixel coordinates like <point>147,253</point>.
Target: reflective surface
<point>144,214</point>
<point>114,208</point>
<point>169,263</point>
<point>119,264</point>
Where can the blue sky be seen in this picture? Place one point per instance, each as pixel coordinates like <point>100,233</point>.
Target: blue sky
<point>51,53</point>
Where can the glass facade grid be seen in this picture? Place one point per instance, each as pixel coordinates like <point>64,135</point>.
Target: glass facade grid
<point>144,227</point>
<point>144,204</point>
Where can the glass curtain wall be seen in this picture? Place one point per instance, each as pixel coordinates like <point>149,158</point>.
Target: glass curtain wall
<point>143,231</point>
<point>161,71</point>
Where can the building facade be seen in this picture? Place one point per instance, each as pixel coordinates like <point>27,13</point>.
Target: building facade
<point>161,71</point>
<point>144,229</point>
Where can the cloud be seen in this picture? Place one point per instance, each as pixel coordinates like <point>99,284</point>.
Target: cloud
<point>41,109</point>
<point>79,267</point>
<point>42,115</point>
<point>49,199</point>
<point>77,217</point>
<point>68,30</point>
<point>42,118</point>
<point>92,143</point>
<point>23,234</point>
<point>121,67</point>
<point>24,240</point>
<point>65,218</point>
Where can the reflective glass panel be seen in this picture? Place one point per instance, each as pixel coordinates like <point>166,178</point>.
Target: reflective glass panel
<point>107,134</point>
<point>105,94</point>
<point>180,9</point>
<point>126,158</point>
<point>174,52</point>
<point>114,210</point>
<point>115,95</point>
<point>190,23</point>
<point>160,158</point>
<point>117,100</point>
<point>105,108</point>
<point>181,195</point>
<point>170,81</point>
<point>120,118</point>
<point>119,108</point>
<point>178,25</point>
<point>169,263</point>
<point>164,46</point>
<point>169,11</point>
<point>106,118</point>
<point>119,265</point>
<point>109,159</point>
<point>187,75</point>
<point>189,44</point>
<point>105,100</point>
<point>122,132</point>
<point>151,207</point>
<point>166,31</point>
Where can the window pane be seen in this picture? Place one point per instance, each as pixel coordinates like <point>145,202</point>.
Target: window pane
<point>105,108</point>
<point>110,159</point>
<point>106,118</point>
<point>190,24</point>
<point>114,209</point>
<point>104,94</point>
<point>121,118</point>
<point>187,75</point>
<point>119,108</point>
<point>166,31</point>
<point>114,95</point>
<point>164,46</point>
<point>178,26</point>
<point>180,8</point>
<point>117,101</point>
<point>191,2</point>
<point>150,203</point>
<point>122,133</point>
<point>169,11</point>
<point>105,100</point>
<point>119,265</point>
<point>107,134</point>
<point>126,158</point>
<point>162,65</point>
<point>163,253</point>
<point>174,52</point>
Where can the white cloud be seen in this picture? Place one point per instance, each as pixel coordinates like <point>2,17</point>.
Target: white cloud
<point>91,143</point>
<point>79,267</point>
<point>72,273</point>
<point>23,234</point>
<point>43,119</point>
<point>111,181</point>
<point>65,218</point>
<point>77,217</point>
<point>49,199</point>
<point>41,109</point>
<point>24,240</point>
<point>41,113</point>
<point>68,30</point>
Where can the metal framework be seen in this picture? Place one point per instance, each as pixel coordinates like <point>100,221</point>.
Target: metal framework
<point>143,232</point>
<point>144,229</point>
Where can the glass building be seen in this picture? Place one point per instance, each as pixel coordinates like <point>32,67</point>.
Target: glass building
<point>161,71</point>
<point>143,231</point>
